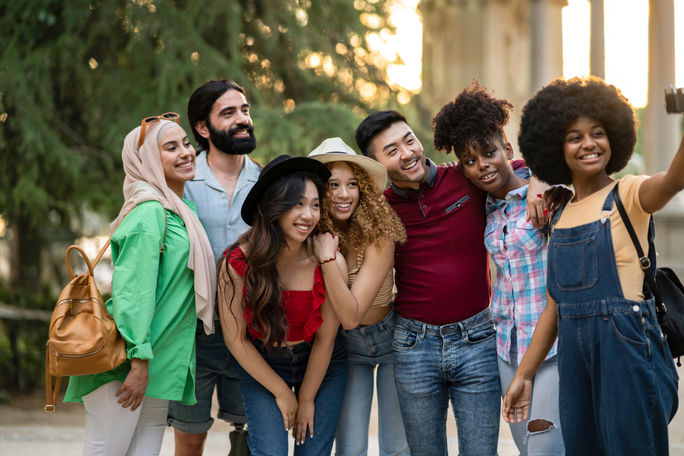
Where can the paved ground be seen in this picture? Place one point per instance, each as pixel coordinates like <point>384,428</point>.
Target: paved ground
<point>25,430</point>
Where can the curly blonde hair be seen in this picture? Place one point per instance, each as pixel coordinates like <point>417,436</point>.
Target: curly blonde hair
<point>373,220</point>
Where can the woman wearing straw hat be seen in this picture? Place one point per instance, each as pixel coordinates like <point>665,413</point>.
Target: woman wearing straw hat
<point>164,278</point>
<point>277,319</point>
<point>357,219</point>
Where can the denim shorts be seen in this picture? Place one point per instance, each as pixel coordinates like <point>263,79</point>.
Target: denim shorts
<point>216,369</point>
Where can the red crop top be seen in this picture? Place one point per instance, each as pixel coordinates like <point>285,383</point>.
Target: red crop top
<point>302,307</point>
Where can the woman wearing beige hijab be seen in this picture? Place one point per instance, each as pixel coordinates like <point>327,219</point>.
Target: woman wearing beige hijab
<point>164,277</point>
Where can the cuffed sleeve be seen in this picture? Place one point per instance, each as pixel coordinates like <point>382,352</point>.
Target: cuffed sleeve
<point>136,246</point>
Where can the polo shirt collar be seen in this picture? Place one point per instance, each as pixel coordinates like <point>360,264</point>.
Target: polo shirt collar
<point>431,179</point>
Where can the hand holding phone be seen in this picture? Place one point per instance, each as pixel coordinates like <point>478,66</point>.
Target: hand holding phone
<point>674,100</point>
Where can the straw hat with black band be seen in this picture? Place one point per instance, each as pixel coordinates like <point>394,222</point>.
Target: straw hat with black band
<point>334,149</point>
<point>279,166</point>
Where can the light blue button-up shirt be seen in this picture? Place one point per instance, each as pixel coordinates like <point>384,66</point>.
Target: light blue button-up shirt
<point>220,217</point>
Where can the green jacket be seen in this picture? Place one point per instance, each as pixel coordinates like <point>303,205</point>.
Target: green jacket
<point>153,304</point>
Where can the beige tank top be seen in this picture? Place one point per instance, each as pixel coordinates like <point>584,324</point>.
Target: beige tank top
<point>386,294</point>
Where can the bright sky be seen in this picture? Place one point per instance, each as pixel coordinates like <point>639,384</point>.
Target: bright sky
<point>407,43</point>
<point>626,40</point>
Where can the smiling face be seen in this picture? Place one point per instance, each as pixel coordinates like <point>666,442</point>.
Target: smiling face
<point>343,189</point>
<point>400,152</point>
<point>586,149</point>
<point>177,157</point>
<point>229,126</point>
<point>297,223</point>
<point>489,167</point>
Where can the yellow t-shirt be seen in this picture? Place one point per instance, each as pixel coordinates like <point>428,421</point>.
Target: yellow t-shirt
<point>589,210</point>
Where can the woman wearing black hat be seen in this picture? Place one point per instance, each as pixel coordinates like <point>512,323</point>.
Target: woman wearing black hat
<point>276,319</point>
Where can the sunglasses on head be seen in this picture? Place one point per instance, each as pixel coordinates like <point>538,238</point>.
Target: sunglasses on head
<point>173,116</point>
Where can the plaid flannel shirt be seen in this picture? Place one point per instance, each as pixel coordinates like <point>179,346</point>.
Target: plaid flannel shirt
<point>519,252</point>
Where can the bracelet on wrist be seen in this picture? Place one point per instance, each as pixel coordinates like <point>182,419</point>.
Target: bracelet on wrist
<point>328,260</point>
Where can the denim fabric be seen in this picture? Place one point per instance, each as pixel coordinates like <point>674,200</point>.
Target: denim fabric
<point>543,406</point>
<point>457,362</point>
<point>368,347</point>
<point>216,367</point>
<point>618,384</point>
<point>267,434</point>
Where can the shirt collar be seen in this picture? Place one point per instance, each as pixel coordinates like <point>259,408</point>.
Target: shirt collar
<point>250,171</point>
<point>431,179</point>
<point>517,194</point>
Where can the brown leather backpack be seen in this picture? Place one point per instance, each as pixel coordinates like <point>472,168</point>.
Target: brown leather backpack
<point>83,338</point>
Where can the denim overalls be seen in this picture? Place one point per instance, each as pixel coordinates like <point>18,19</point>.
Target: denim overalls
<point>618,384</point>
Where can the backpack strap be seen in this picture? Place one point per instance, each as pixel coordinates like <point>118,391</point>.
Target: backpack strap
<point>104,247</point>
<point>644,260</point>
<point>51,395</point>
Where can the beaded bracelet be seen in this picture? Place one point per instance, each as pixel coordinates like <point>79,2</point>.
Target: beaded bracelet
<point>328,260</point>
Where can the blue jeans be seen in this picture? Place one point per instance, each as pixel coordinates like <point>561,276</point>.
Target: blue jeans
<point>368,347</point>
<point>543,406</point>
<point>437,363</point>
<point>216,368</point>
<point>267,434</point>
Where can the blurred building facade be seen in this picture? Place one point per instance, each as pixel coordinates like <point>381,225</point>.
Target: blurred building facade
<point>514,47</point>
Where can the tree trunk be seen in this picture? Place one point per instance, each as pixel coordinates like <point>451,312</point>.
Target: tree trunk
<point>26,246</point>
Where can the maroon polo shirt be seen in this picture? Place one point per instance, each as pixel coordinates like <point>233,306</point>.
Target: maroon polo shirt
<point>441,271</point>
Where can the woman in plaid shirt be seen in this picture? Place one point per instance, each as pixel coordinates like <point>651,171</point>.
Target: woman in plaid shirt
<point>472,127</point>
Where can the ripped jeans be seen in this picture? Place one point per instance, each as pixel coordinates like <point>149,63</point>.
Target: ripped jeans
<point>542,438</point>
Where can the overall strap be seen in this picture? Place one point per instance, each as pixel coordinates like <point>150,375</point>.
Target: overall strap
<point>556,216</point>
<point>608,202</point>
<point>644,260</point>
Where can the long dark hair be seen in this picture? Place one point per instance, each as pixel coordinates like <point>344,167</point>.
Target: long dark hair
<point>263,289</point>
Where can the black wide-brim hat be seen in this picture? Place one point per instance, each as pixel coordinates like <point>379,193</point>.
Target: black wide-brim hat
<point>279,166</point>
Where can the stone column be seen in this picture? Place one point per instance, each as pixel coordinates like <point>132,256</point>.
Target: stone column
<point>661,130</point>
<point>546,36</point>
<point>452,48</point>
<point>597,46</point>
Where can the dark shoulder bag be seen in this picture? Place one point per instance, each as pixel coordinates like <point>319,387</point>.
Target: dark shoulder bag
<point>663,284</point>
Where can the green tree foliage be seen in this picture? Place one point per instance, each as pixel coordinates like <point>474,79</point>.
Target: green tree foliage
<point>77,75</point>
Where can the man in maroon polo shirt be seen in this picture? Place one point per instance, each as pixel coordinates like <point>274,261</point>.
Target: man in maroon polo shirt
<point>444,337</point>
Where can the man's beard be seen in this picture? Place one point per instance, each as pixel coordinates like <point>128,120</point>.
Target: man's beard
<point>225,141</point>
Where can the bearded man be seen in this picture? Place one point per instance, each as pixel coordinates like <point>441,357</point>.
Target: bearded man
<point>219,116</point>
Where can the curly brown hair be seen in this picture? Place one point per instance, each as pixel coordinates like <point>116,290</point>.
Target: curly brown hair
<point>373,220</point>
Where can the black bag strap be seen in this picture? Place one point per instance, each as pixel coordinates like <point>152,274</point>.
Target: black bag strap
<point>644,260</point>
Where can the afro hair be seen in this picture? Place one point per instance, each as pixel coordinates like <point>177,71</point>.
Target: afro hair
<point>555,107</point>
<point>472,119</point>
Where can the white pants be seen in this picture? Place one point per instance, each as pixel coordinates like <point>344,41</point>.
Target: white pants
<point>111,430</point>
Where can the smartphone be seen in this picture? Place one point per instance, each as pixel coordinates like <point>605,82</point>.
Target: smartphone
<point>674,100</point>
